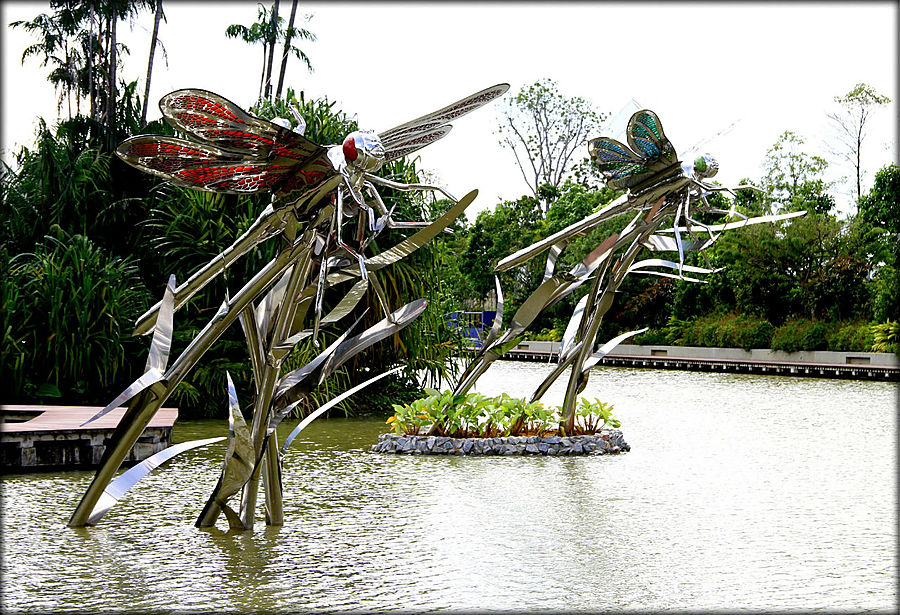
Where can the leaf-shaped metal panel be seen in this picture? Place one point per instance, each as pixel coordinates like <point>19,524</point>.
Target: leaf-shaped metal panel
<point>330,404</point>
<point>128,479</point>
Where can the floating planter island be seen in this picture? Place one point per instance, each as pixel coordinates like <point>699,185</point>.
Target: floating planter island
<point>601,443</point>
<point>448,424</point>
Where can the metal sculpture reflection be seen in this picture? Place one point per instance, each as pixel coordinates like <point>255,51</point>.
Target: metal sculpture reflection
<point>658,188</point>
<point>317,194</point>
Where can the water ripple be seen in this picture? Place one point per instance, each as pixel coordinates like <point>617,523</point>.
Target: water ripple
<point>740,492</point>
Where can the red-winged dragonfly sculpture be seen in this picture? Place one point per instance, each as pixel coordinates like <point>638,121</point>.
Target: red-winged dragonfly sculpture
<point>316,191</point>
<point>657,187</point>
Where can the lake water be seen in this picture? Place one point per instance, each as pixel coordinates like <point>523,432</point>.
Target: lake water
<point>740,492</point>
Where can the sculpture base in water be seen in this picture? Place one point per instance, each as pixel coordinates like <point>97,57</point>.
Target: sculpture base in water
<point>601,443</point>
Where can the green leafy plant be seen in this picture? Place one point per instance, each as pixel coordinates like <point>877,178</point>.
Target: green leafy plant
<point>67,308</point>
<point>801,334</point>
<point>545,335</point>
<point>851,337</point>
<point>886,337</point>
<point>476,416</point>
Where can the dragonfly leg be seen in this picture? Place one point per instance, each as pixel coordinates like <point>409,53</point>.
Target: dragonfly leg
<point>678,241</point>
<point>340,242</point>
<point>407,187</point>
<point>320,290</point>
<point>386,220</point>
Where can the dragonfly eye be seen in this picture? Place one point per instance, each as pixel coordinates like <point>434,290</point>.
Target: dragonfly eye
<point>705,166</point>
<point>350,151</point>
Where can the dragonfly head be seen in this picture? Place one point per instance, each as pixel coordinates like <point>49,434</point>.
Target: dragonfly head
<point>705,166</point>
<point>363,151</point>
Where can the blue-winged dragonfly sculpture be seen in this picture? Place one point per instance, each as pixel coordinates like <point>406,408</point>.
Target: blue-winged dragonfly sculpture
<point>318,193</point>
<point>657,188</point>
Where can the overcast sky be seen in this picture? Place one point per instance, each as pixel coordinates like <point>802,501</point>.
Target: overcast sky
<point>770,67</point>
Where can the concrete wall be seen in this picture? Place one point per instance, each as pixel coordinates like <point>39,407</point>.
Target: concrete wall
<point>757,354</point>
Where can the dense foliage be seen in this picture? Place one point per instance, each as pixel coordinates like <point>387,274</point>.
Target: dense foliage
<point>87,244</point>
<point>839,272</point>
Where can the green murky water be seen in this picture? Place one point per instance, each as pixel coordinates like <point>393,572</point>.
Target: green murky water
<point>740,492</point>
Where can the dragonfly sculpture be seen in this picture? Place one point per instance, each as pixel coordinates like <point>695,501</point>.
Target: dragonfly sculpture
<point>318,193</point>
<point>657,187</point>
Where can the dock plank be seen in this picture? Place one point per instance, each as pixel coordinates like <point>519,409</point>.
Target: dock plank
<point>36,438</point>
<point>70,418</point>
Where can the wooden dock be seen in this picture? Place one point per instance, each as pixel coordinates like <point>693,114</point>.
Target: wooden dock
<point>52,438</point>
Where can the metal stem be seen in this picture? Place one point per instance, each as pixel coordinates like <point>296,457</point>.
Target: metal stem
<point>145,405</point>
<point>269,377</point>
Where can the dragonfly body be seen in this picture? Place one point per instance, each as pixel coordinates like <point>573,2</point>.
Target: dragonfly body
<point>312,187</point>
<point>233,152</point>
<point>656,187</point>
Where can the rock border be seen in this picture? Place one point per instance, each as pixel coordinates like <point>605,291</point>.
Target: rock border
<point>604,442</point>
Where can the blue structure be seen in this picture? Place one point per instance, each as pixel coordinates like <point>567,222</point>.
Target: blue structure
<point>472,325</point>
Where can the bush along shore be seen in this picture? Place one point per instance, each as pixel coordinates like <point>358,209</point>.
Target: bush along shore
<point>797,334</point>
<point>472,424</point>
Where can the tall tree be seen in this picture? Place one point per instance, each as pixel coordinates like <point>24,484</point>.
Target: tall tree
<point>253,34</point>
<point>857,107</point>
<point>544,129</point>
<point>79,40</point>
<point>154,39</point>
<point>271,40</point>
<point>793,179</point>
<point>291,33</point>
<point>269,30</point>
<point>54,32</point>
<point>881,206</point>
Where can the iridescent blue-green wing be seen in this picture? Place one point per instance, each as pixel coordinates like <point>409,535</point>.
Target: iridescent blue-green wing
<point>621,167</point>
<point>647,138</point>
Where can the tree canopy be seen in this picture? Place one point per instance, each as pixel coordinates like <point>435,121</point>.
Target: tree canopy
<point>851,122</point>
<point>545,130</point>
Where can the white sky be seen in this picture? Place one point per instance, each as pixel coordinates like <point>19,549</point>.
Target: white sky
<point>701,66</point>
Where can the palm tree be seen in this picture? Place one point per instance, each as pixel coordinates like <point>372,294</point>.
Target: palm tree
<point>269,30</point>
<point>153,41</point>
<point>271,36</point>
<point>290,33</point>
<point>252,35</point>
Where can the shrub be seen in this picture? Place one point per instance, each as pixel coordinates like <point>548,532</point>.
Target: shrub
<point>886,337</point>
<point>653,337</point>
<point>723,331</point>
<point>67,309</point>
<point>546,335</point>
<point>851,337</point>
<point>801,334</point>
<point>755,333</point>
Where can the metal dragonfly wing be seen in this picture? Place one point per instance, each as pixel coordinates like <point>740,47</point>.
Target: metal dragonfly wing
<point>232,151</point>
<point>648,158</point>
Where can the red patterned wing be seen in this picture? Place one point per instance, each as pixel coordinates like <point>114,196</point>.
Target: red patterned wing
<point>203,167</point>
<point>219,121</point>
<point>405,136</point>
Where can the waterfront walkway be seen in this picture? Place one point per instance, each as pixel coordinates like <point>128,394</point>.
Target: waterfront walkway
<point>816,364</point>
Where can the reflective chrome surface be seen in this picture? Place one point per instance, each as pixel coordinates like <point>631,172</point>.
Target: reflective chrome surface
<point>740,493</point>
<point>301,176</point>
<point>652,179</point>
